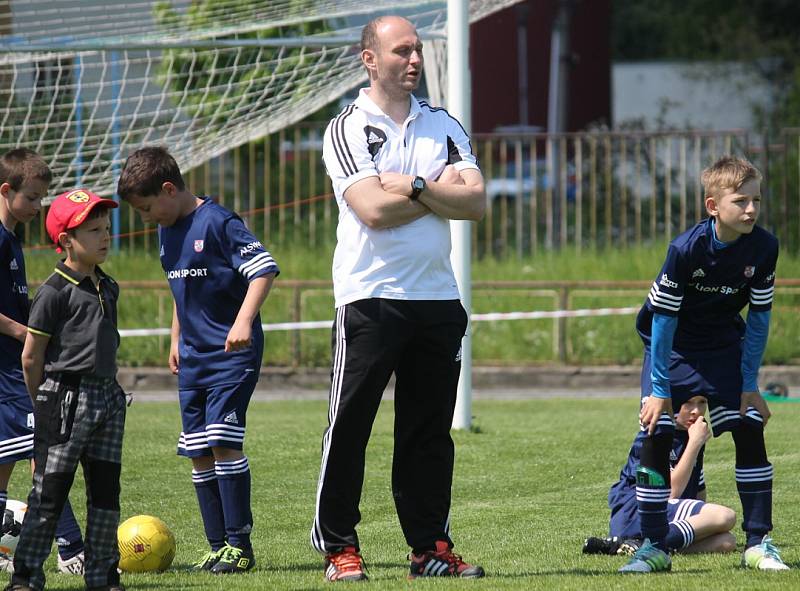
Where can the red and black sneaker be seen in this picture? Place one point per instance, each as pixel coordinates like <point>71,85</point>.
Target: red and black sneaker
<point>441,562</point>
<point>345,565</point>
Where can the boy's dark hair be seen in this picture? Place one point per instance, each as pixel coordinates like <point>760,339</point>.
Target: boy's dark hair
<point>20,165</point>
<point>97,211</point>
<point>146,170</point>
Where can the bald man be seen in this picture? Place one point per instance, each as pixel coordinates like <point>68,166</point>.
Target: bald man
<point>401,169</point>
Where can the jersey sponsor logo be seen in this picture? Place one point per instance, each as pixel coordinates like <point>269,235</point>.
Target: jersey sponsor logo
<point>667,282</point>
<point>749,271</point>
<point>723,289</point>
<point>376,137</point>
<point>698,273</point>
<point>250,248</point>
<point>13,266</point>
<point>231,418</point>
<point>198,246</point>
<point>184,273</point>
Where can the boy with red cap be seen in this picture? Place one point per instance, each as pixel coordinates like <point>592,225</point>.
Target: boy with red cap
<point>24,180</point>
<point>69,365</point>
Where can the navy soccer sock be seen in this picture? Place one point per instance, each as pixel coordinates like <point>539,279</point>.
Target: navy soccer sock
<point>208,497</point>
<point>653,488</point>
<point>234,488</point>
<point>680,535</point>
<point>753,481</point>
<point>68,533</point>
<point>754,484</point>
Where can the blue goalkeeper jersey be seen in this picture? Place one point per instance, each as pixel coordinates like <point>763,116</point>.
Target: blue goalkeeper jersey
<point>210,258</point>
<point>706,286</point>
<point>14,303</point>
<point>624,490</point>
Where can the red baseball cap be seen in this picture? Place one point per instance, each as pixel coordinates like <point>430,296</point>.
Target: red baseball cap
<point>70,209</point>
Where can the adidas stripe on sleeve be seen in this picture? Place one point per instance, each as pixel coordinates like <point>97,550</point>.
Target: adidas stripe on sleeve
<point>459,148</point>
<point>763,289</point>
<point>345,150</point>
<point>666,293</point>
<point>248,255</point>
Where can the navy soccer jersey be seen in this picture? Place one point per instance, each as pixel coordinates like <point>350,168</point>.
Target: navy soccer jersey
<point>14,304</point>
<point>210,258</point>
<point>706,285</point>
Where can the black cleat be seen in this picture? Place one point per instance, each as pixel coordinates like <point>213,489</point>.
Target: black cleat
<point>234,560</point>
<point>629,546</point>
<point>608,546</point>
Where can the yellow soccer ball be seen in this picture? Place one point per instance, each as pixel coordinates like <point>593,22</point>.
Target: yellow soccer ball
<point>145,544</point>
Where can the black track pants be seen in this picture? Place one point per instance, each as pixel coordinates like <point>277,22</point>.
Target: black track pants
<point>420,341</point>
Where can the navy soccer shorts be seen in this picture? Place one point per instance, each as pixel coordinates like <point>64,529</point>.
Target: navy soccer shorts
<point>718,377</point>
<point>16,429</point>
<point>625,521</point>
<point>214,417</point>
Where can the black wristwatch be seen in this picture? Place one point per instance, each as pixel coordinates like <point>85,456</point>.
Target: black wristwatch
<point>417,187</point>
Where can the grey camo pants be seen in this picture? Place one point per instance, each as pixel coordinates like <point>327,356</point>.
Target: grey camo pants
<point>78,419</point>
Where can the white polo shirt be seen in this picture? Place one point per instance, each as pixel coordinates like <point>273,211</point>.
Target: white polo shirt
<point>408,262</point>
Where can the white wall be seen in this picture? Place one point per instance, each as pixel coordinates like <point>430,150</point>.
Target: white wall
<point>687,95</point>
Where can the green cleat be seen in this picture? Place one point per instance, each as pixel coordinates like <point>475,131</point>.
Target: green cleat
<point>764,556</point>
<point>648,559</point>
<point>208,560</point>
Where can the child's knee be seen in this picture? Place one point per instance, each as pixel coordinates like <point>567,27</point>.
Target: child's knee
<point>720,518</point>
<point>727,519</point>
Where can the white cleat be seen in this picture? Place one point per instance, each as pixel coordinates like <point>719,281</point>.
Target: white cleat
<point>764,556</point>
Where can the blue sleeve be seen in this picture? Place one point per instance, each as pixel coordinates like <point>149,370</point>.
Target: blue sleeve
<point>755,341</point>
<point>663,332</point>
<point>248,256</point>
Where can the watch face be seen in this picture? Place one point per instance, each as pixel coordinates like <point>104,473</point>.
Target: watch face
<point>418,183</point>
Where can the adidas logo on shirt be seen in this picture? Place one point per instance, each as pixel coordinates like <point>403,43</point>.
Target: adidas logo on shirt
<point>161,252</point>
<point>231,418</point>
<point>14,266</point>
<point>698,273</point>
<point>373,138</point>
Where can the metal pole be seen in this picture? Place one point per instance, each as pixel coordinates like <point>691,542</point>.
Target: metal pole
<point>116,98</point>
<point>78,120</point>
<point>459,104</point>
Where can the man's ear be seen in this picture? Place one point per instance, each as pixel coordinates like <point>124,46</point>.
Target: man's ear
<point>4,189</point>
<point>368,58</point>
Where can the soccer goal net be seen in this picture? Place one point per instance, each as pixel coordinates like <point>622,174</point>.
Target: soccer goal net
<point>85,82</point>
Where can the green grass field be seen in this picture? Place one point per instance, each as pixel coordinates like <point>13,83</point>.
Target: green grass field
<point>530,484</point>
